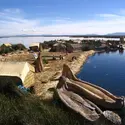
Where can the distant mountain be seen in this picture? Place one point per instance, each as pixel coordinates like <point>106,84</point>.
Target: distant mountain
<point>116,34</point>
<point>80,35</point>
<point>25,35</point>
<point>91,34</point>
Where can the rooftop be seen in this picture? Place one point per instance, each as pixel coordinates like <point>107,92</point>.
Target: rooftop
<point>19,69</point>
<point>7,44</point>
<point>34,44</point>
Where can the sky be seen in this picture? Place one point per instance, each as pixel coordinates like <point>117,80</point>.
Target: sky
<point>61,17</point>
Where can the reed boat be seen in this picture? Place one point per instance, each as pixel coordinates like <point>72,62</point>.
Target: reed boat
<point>86,90</point>
<point>77,103</point>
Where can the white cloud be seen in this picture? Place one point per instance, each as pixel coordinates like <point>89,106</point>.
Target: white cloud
<point>12,10</point>
<point>108,15</point>
<point>12,22</point>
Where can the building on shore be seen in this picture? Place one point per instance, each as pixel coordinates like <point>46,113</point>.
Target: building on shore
<point>7,45</point>
<point>61,47</point>
<point>20,73</point>
<point>58,47</point>
<point>35,47</point>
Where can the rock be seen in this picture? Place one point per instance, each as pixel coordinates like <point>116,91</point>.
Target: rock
<point>111,118</point>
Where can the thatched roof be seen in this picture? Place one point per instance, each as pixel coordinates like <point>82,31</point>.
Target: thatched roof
<point>7,44</point>
<point>34,44</point>
<point>61,47</point>
<point>16,69</point>
<point>59,44</point>
<point>58,47</point>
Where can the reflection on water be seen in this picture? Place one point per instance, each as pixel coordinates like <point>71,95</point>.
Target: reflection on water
<point>106,69</point>
<point>121,52</point>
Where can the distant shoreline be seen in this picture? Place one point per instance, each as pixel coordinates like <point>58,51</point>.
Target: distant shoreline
<point>73,36</point>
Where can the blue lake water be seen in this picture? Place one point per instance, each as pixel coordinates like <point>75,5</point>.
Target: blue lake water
<point>106,70</point>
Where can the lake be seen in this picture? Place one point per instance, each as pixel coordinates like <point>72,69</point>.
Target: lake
<point>106,70</point>
<point>28,40</point>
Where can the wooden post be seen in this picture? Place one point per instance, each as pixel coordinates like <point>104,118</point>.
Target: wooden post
<point>40,47</point>
<point>39,63</point>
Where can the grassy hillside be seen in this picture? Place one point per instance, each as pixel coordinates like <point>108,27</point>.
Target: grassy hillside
<point>19,109</point>
<point>32,111</point>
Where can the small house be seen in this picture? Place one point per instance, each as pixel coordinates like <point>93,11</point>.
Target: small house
<point>20,73</point>
<point>58,47</point>
<point>35,47</point>
<point>7,45</point>
<point>61,47</point>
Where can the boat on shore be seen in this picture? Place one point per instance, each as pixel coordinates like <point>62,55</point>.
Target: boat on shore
<point>85,98</point>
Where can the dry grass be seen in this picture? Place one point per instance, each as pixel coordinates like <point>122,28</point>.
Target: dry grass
<point>43,80</point>
<point>21,111</point>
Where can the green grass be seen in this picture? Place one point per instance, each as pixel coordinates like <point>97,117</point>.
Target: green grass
<point>32,111</point>
<point>17,108</point>
<point>45,61</point>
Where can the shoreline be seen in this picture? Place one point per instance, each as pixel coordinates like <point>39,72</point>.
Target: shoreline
<point>75,66</point>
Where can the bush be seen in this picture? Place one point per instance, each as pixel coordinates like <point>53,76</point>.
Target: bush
<point>87,47</point>
<point>18,47</point>
<point>5,50</point>
<point>69,47</point>
<point>45,61</point>
<point>48,44</point>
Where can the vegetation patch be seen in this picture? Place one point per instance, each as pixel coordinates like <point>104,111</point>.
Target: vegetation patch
<point>30,110</point>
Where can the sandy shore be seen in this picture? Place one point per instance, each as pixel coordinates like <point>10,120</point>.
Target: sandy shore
<point>47,93</point>
<point>77,64</point>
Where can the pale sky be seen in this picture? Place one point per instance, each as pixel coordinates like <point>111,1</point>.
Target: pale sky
<point>61,17</point>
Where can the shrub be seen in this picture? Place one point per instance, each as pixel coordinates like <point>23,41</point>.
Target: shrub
<point>45,61</point>
<point>18,47</point>
<point>5,49</point>
<point>85,48</point>
<point>48,44</point>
